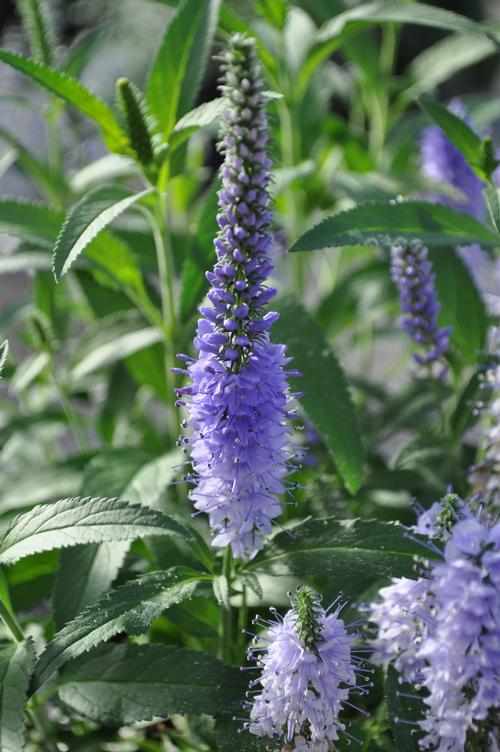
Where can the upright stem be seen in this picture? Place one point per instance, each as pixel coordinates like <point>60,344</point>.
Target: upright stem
<point>226,631</point>
<point>11,622</point>
<point>71,415</point>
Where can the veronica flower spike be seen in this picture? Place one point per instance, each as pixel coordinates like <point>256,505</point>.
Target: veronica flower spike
<point>238,399</point>
<point>412,273</point>
<point>308,670</point>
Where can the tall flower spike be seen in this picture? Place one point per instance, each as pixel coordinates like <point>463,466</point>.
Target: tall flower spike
<point>308,672</point>
<point>412,272</point>
<point>238,399</point>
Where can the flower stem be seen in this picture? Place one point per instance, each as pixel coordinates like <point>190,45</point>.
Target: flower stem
<point>226,631</point>
<point>11,622</point>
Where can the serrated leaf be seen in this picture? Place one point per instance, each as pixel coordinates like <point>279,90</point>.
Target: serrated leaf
<point>121,684</point>
<point>129,609</point>
<point>38,25</point>
<point>70,522</point>
<point>457,131</point>
<point>342,548</point>
<point>335,31</point>
<point>95,211</point>
<point>29,219</point>
<point>179,66</point>
<point>326,399</point>
<point>73,92</point>
<point>462,306</point>
<point>379,223</point>
<point>16,666</point>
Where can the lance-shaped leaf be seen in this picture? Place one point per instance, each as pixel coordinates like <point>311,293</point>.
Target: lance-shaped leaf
<point>203,115</point>
<point>70,522</point>
<point>326,398</point>
<point>379,223</point>
<point>4,351</point>
<point>343,548</point>
<point>87,219</point>
<point>16,666</point>
<point>73,92</point>
<point>404,712</point>
<point>130,609</point>
<point>179,66</point>
<point>121,684</point>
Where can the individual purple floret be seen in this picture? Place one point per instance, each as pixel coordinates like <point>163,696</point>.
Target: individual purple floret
<point>238,398</point>
<point>454,657</point>
<point>411,270</point>
<point>443,163</point>
<point>308,670</point>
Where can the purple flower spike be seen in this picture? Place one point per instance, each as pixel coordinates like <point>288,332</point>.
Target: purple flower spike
<point>239,399</point>
<point>308,672</point>
<point>412,272</point>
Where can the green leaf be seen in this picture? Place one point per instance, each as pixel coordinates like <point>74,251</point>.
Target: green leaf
<point>95,211</point>
<point>84,573</point>
<point>458,132</point>
<point>73,92</point>
<point>335,31</point>
<point>16,665</point>
<point>493,203</point>
<point>45,179</point>
<point>203,115</point>
<point>402,710</point>
<point>454,53</point>
<point>70,522</point>
<point>326,399</point>
<point>179,66</point>
<point>465,413</point>
<point>462,305</point>
<point>29,219</point>
<point>121,684</point>
<point>129,609</point>
<point>41,484</point>
<point>379,223</point>
<point>343,548</point>
<point>108,352</point>
<point>4,351</point>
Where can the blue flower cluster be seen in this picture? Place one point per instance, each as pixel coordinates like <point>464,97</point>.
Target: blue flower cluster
<point>412,273</point>
<point>238,399</point>
<point>443,633</point>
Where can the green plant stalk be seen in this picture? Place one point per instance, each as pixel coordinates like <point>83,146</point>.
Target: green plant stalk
<point>11,622</point>
<point>69,411</point>
<point>226,616</point>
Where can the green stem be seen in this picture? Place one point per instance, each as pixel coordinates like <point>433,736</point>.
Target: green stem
<point>226,631</point>
<point>71,415</point>
<point>11,622</point>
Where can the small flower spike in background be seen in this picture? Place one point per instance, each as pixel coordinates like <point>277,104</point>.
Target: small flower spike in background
<point>238,401</point>
<point>412,273</point>
<point>442,632</point>
<point>308,671</point>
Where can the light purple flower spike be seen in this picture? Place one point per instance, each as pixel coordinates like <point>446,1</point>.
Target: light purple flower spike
<point>238,399</point>
<point>308,672</point>
<point>442,632</point>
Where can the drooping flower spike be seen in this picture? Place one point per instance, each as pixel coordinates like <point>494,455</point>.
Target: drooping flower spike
<point>308,671</point>
<point>445,635</point>
<point>412,273</point>
<point>238,399</point>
